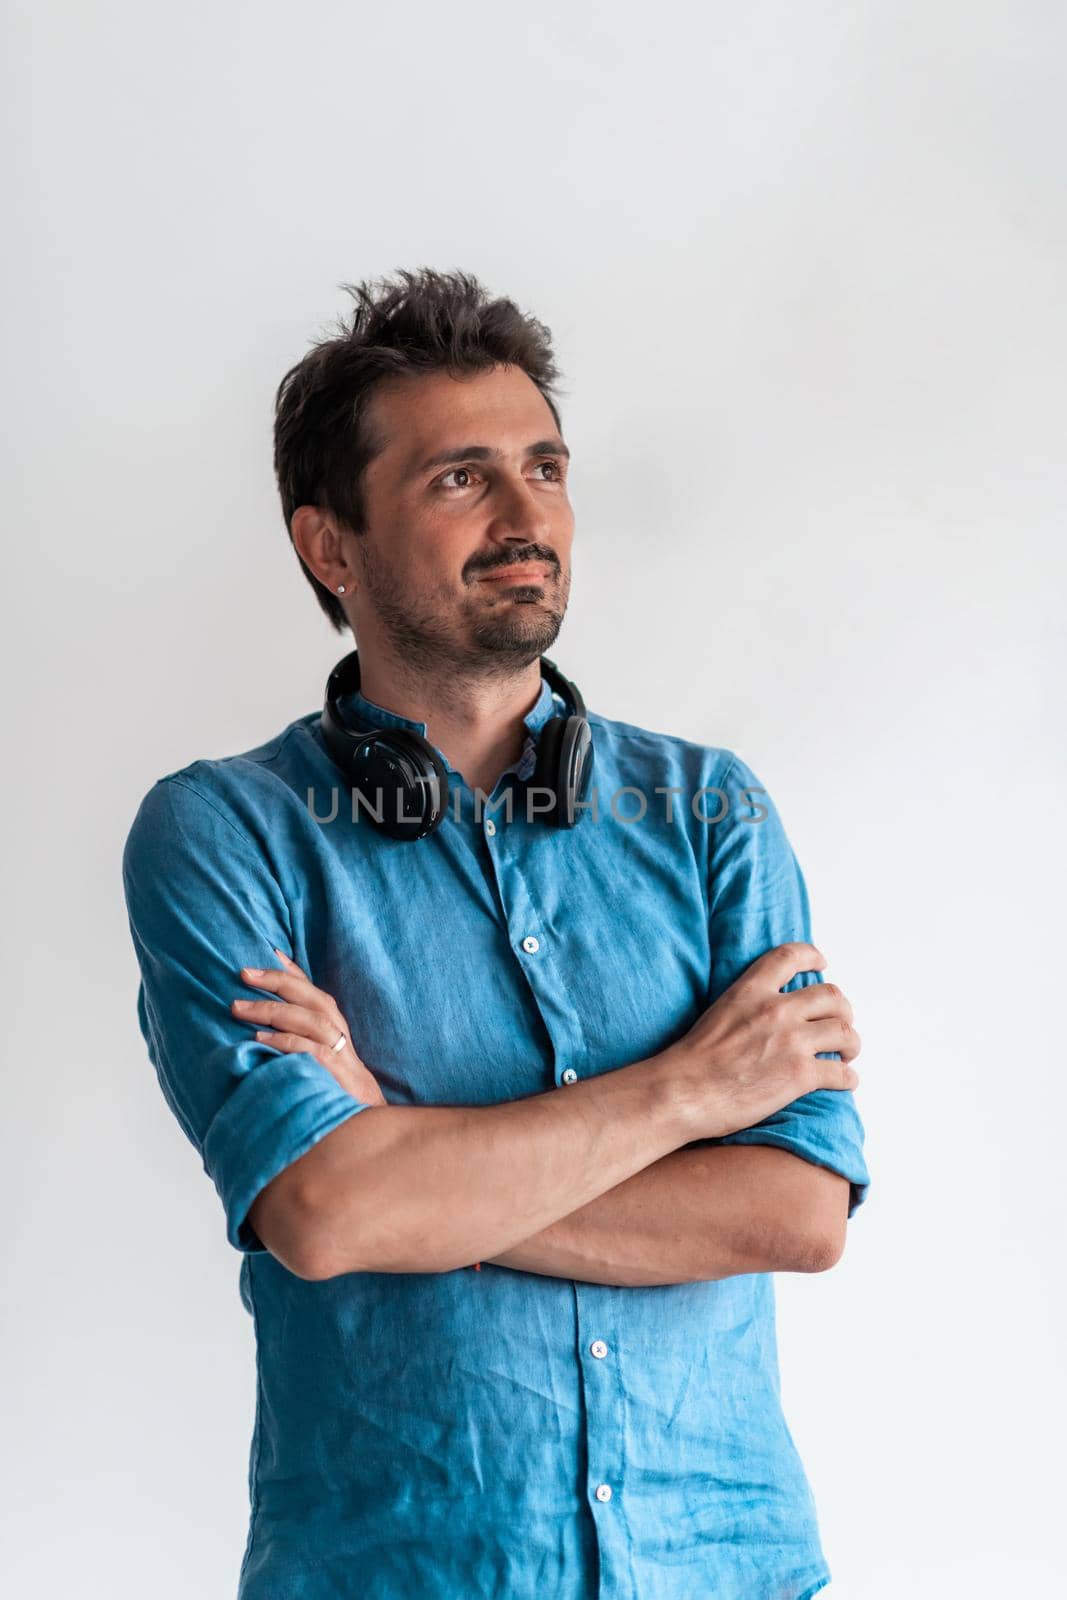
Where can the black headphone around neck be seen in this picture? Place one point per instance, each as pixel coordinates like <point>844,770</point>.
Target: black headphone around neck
<point>401,775</point>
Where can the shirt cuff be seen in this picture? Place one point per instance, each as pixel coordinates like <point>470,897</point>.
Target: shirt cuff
<point>279,1110</point>
<point>829,1134</point>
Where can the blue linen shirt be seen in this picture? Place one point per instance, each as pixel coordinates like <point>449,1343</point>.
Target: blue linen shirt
<point>484,1433</point>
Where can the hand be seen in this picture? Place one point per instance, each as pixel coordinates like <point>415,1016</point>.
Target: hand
<point>753,1051</point>
<point>306,1019</point>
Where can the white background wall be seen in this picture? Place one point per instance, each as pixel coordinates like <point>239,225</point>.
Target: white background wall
<point>805,269</point>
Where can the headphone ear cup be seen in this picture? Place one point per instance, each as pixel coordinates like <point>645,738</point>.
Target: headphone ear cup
<point>398,773</point>
<point>565,766</point>
<point>575,767</point>
<point>546,769</point>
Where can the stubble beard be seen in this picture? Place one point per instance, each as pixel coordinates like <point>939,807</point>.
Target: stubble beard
<point>494,641</point>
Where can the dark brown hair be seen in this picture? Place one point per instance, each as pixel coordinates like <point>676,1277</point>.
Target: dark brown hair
<point>416,322</point>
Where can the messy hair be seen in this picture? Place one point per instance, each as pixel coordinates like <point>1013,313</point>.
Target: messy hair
<point>416,322</point>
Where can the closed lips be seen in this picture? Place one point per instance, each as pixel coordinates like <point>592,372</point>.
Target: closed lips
<point>524,569</point>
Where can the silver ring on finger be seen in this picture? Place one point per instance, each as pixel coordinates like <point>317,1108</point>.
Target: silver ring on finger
<point>341,1042</point>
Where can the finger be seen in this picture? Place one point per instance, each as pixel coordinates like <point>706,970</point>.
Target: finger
<point>344,1064</point>
<point>293,1018</point>
<point>291,987</point>
<point>350,1072</point>
<point>818,1000</point>
<point>288,984</point>
<point>291,1043</point>
<point>836,1075</point>
<point>833,1033</point>
<point>339,1062</point>
<point>781,964</point>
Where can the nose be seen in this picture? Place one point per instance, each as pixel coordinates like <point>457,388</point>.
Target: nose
<point>519,515</point>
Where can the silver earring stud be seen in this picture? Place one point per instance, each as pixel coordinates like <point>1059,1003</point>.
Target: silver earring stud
<point>340,588</point>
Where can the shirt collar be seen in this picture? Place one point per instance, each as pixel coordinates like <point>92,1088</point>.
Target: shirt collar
<point>364,713</point>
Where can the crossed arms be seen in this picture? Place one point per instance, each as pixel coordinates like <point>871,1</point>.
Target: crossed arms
<point>698,1214</point>
<point>611,1178</point>
<point>691,1213</point>
<point>595,1181</point>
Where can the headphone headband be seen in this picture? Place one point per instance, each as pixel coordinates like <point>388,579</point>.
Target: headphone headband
<point>403,780</point>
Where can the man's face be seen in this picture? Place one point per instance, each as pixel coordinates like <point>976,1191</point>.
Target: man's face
<point>472,478</point>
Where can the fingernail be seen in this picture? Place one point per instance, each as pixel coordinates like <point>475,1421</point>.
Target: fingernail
<point>253,972</point>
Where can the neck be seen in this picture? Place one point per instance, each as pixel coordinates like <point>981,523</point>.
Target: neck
<point>475,718</point>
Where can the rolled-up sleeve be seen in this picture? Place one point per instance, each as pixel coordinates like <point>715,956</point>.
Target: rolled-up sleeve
<point>757,899</point>
<point>203,903</point>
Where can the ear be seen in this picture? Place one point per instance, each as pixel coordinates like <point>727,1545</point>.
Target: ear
<point>318,544</point>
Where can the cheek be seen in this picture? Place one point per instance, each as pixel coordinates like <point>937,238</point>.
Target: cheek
<point>564,529</point>
<point>436,567</point>
<point>420,552</point>
<point>446,551</point>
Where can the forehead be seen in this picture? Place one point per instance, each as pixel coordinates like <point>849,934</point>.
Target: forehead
<point>418,416</point>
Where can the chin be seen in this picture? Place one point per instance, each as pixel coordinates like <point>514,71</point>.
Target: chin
<point>530,635</point>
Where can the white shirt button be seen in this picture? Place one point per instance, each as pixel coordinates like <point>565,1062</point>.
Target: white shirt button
<point>490,827</point>
<point>569,1075</point>
<point>531,944</point>
<point>603,1491</point>
<point>599,1348</point>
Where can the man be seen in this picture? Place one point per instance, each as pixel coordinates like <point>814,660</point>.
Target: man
<point>512,1119</point>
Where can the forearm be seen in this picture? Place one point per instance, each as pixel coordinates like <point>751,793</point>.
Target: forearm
<point>702,1213</point>
<point>432,1188</point>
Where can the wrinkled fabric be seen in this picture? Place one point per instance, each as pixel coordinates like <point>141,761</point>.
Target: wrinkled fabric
<point>444,1435</point>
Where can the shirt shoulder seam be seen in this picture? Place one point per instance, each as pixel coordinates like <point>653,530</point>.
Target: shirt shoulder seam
<point>730,765</point>
<point>276,744</point>
<point>184,783</point>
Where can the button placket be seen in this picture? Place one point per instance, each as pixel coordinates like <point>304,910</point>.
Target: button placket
<point>598,1354</point>
<point>541,956</point>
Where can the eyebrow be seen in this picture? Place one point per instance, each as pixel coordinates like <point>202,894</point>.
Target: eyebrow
<point>482,452</point>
